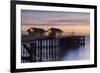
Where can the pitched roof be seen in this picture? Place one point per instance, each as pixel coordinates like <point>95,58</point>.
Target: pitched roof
<point>36,29</point>
<point>55,30</point>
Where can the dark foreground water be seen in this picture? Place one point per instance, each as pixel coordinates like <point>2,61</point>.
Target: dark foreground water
<point>80,53</point>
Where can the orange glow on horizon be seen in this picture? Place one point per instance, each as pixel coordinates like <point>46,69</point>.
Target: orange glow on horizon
<point>78,29</point>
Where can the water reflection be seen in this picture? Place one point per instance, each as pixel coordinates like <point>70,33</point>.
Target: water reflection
<point>80,53</point>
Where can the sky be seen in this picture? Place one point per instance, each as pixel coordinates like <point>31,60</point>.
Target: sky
<point>68,22</point>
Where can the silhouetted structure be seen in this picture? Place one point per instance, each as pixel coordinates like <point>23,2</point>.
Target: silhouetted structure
<point>54,32</point>
<point>41,47</point>
<point>36,47</point>
<point>36,32</point>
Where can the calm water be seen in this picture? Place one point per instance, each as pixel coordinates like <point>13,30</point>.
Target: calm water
<point>81,53</point>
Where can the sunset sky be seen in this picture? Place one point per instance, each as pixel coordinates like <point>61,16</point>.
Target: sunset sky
<point>68,22</point>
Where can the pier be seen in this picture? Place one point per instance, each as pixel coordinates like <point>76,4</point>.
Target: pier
<point>45,48</point>
<point>39,47</point>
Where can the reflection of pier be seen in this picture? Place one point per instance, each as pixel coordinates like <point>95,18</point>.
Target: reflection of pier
<point>38,47</point>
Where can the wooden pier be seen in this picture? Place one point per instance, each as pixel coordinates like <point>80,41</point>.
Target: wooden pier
<point>47,48</point>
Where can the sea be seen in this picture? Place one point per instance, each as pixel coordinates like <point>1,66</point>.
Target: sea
<point>80,53</point>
